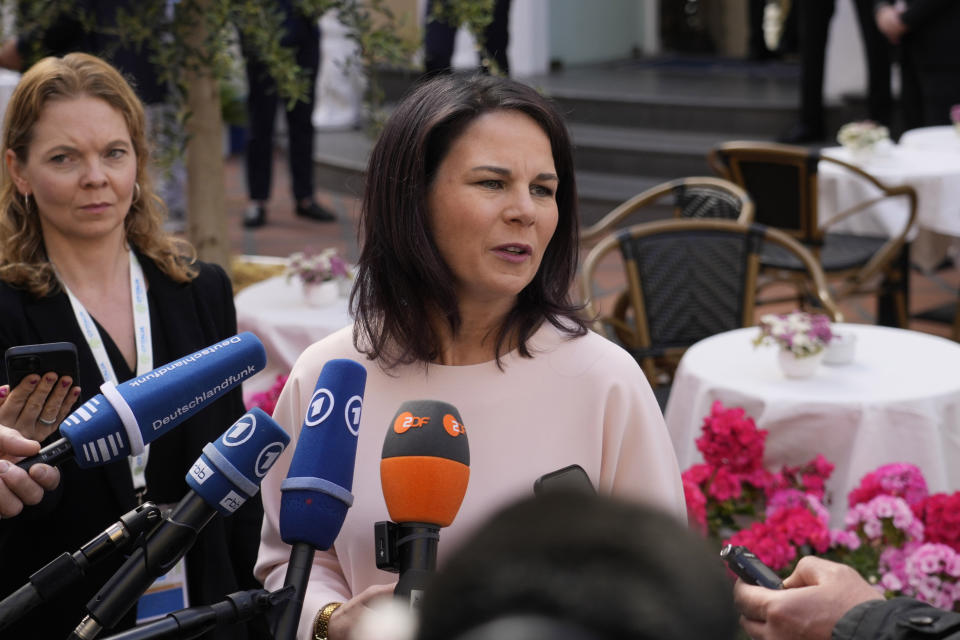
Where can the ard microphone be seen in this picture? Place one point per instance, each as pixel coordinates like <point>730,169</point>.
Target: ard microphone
<point>226,475</point>
<point>67,568</point>
<point>122,419</point>
<point>424,471</point>
<point>196,621</point>
<point>316,493</point>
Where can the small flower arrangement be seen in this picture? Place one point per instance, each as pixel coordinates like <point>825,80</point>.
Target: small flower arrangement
<point>861,135</point>
<point>899,537</point>
<point>801,333</point>
<point>314,268</point>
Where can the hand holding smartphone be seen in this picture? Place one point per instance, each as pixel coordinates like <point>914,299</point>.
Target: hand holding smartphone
<point>749,567</point>
<point>36,410</point>
<point>59,357</point>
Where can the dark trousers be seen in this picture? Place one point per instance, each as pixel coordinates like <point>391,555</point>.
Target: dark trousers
<point>814,18</point>
<point>439,38</point>
<point>262,103</point>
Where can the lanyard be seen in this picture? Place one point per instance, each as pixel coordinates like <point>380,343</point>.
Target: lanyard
<point>142,336</point>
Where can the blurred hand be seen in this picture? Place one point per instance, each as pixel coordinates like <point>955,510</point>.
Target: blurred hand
<point>344,620</point>
<point>890,24</point>
<point>17,487</point>
<point>815,596</point>
<point>38,405</point>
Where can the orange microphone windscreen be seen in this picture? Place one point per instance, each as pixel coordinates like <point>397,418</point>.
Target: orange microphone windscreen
<point>423,488</point>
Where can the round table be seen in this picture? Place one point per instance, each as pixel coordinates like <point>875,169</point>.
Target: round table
<point>275,310</point>
<point>898,401</point>
<point>933,173</point>
<point>941,138</point>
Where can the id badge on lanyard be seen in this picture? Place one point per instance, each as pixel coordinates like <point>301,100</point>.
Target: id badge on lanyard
<point>169,592</point>
<point>142,336</point>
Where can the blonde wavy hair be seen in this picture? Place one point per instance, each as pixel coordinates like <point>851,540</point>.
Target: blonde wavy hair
<point>23,258</point>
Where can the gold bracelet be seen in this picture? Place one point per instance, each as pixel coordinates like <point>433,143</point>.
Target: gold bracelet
<point>322,621</point>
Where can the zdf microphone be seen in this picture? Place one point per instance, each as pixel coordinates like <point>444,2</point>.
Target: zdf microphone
<point>223,478</point>
<point>317,490</point>
<point>424,470</point>
<point>120,420</point>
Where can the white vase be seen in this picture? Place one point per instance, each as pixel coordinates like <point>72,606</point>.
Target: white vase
<point>320,294</point>
<point>794,367</point>
<point>862,154</point>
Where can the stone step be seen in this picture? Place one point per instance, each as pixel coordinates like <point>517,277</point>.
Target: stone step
<point>647,152</point>
<point>341,158</point>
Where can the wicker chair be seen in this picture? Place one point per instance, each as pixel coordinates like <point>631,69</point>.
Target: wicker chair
<point>782,180</point>
<point>694,197</point>
<point>686,280</point>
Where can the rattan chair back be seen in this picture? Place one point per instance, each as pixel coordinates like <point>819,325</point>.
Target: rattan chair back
<point>685,280</point>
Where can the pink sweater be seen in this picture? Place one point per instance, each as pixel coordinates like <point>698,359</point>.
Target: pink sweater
<point>582,401</point>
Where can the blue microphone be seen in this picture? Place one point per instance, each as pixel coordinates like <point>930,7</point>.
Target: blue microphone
<point>122,419</point>
<point>226,475</point>
<point>316,492</point>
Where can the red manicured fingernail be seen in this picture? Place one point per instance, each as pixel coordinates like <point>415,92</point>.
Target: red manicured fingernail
<point>33,380</point>
<point>51,379</point>
<point>64,383</point>
<point>3,392</point>
<point>76,391</point>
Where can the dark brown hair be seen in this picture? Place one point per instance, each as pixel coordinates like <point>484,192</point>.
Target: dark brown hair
<point>403,284</point>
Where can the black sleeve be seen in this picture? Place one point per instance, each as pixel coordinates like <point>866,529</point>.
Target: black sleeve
<point>897,619</point>
<point>921,12</point>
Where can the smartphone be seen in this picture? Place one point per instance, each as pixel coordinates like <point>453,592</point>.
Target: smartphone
<point>749,567</point>
<point>572,478</point>
<point>60,357</point>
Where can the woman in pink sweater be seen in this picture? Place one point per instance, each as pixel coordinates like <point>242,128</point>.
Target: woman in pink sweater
<point>470,243</point>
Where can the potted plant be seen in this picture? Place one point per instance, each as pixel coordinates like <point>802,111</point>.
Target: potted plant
<point>802,338</point>
<point>324,275</point>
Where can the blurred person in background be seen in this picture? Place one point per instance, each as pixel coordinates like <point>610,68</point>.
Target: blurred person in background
<point>440,35</point>
<point>814,17</point>
<point>927,32</point>
<point>302,33</point>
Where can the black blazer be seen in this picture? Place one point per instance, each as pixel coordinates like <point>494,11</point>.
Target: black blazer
<point>184,318</point>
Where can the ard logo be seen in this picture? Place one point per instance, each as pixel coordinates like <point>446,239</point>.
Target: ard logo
<point>241,431</point>
<point>267,457</point>
<point>351,414</point>
<point>321,404</point>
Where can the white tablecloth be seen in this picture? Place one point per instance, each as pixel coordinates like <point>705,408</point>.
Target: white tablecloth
<point>275,311</point>
<point>934,173</point>
<point>943,138</point>
<point>898,401</point>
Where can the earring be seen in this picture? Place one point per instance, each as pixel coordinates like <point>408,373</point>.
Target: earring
<point>136,191</point>
<point>26,201</point>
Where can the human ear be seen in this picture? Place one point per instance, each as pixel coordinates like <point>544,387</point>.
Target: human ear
<point>13,167</point>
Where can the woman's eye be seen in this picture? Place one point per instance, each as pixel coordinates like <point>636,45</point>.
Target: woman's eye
<point>491,184</point>
<point>116,153</point>
<point>60,158</point>
<point>540,190</point>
